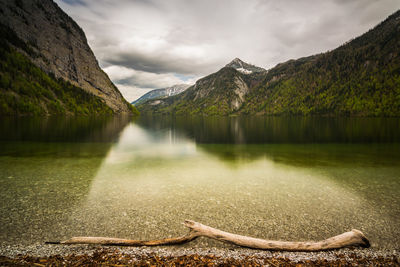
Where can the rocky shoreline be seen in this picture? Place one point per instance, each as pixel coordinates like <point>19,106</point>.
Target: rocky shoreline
<point>77,255</point>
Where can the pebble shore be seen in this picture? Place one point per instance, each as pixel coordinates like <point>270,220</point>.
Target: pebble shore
<point>75,255</point>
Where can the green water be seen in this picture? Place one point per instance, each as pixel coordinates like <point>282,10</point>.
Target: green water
<point>276,178</point>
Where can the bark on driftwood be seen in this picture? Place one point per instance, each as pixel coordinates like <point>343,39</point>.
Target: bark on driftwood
<point>349,239</point>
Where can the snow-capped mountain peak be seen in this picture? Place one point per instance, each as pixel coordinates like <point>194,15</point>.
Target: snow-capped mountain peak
<point>244,67</point>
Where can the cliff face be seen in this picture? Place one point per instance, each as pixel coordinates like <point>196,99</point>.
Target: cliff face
<point>59,46</point>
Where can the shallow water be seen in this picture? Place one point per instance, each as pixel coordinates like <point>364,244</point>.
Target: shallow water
<point>276,178</point>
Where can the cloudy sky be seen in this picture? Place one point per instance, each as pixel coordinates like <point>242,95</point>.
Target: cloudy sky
<point>148,44</point>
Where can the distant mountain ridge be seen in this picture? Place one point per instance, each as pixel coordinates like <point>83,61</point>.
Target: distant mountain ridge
<point>222,92</point>
<point>161,93</point>
<point>38,34</point>
<point>359,78</point>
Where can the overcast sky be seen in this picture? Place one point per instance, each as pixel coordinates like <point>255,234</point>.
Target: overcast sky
<point>148,44</point>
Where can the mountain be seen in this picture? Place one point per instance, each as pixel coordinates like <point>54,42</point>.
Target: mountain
<point>47,66</point>
<point>220,93</point>
<point>243,67</point>
<point>161,93</point>
<point>359,78</point>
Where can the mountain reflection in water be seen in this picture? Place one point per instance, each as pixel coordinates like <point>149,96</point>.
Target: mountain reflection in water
<point>278,178</point>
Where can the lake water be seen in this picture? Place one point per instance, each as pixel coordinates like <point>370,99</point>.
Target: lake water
<point>269,177</point>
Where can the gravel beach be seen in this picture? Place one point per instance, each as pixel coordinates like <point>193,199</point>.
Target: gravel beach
<point>76,255</point>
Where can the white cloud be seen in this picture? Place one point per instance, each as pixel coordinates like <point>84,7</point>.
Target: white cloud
<point>161,40</point>
<point>131,93</point>
<point>133,83</point>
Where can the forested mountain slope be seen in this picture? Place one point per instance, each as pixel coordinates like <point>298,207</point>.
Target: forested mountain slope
<point>47,67</point>
<point>360,78</point>
<point>220,93</point>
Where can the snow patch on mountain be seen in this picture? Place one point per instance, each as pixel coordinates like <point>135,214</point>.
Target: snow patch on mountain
<point>245,71</point>
<point>244,67</point>
<point>162,93</point>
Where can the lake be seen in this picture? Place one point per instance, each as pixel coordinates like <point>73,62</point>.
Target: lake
<point>269,177</point>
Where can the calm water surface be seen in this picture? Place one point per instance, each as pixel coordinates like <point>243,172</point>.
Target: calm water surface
<point>276,178</point>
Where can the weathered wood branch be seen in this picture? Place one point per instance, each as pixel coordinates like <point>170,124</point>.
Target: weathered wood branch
<point>348,239</point>
<point>110,241</point>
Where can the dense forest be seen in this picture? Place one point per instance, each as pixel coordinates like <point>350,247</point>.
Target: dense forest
<point>362,77</point>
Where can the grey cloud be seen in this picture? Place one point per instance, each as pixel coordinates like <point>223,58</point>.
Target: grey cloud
<point>156,63</point>
<point>200,36</point>
<point>139,83</point>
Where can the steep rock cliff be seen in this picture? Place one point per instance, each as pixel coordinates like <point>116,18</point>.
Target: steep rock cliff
<point>59,47</point>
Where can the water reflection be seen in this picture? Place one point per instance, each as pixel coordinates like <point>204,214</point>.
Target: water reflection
<point>269,130</point>
<point>147,187</point>
<point>62,129</point>
<point>295,141</point>
<point>157,176</point>
<point>47,166</point>
<point>292,178</point>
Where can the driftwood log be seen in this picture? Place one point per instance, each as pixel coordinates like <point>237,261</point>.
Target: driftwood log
<point>349,239</point>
